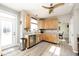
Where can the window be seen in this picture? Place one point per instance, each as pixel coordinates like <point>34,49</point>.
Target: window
<point>8,28</point>
<point>34,25</point>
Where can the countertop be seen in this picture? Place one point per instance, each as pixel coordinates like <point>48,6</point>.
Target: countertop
<point>31,33</point>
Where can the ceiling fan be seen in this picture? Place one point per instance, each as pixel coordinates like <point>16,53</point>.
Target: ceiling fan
<point>51,7</point>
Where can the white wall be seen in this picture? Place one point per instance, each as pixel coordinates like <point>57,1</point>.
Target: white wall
<point>74,28</point>
<point>64,19</point>
<point>73,20</point>
<point>22,18</point>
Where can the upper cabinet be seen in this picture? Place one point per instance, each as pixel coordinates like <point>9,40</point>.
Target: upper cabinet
<point>41,24</point>
<point>48,24</point>
<point>24,21</point>
<point>27,21</point>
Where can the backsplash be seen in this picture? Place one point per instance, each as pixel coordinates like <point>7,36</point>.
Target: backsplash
<point>51,31</point>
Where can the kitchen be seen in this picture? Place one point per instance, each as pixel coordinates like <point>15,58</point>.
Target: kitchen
<point>38,30</point>
<point>43,25</point>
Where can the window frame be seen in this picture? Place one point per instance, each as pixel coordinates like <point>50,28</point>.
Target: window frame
<point>34,24</point>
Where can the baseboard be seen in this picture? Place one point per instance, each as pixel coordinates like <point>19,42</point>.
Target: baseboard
<point>75,51</point>
<point>49,42</point>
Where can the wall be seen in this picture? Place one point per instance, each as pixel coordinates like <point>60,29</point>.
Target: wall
<point>22,23</point>
<point>74,28</point>
<point>63,21</point>
<point>64,30</point>
<point>73,20</point>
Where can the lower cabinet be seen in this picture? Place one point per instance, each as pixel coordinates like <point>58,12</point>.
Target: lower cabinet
<point>32,40</point>
<point>42,37</point>
<point>49,37</point>
<point>37,38</point>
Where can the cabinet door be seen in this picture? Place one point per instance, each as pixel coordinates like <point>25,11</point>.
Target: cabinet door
<point>51,24</point>
<point>46,24</point>
<point>40,24</point>
<point>42,37</point>
<point>51,38</point>
<point>54,24</point>
<point>28,22</point>
<point>37,38</point>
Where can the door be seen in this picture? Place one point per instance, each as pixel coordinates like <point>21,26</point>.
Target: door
<point>7,32</point>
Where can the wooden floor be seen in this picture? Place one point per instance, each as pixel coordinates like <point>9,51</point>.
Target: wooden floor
<point>42,49</point>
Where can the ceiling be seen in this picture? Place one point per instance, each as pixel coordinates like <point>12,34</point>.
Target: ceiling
<point>37,10</point>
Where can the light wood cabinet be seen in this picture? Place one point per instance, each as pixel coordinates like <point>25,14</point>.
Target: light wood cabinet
<point>37,38</point>
<point>51,24</point>
<point>27,22</point>
<point>51,38</point>
<point>42,37</point>
<point>48,24</point>
<point>41,24</point>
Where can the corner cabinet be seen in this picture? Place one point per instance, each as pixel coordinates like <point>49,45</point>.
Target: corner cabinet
<point>49,37</point>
